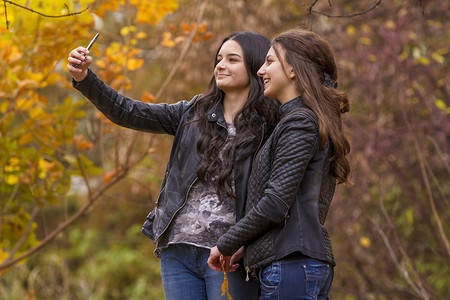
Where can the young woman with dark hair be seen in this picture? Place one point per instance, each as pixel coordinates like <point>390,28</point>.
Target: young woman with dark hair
<point>294,174</point>
<point>205,185</point>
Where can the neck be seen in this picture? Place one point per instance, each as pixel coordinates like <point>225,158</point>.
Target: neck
<point>232,104</point>
<point>289,92</point>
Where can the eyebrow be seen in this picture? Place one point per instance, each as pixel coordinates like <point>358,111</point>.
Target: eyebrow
<point>230,54</point>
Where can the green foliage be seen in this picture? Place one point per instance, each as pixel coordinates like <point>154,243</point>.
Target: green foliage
<point>87,265</point>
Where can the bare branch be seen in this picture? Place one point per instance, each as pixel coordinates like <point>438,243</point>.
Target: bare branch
<point>425,177</point>
<point>24,236</point>
<point>440,153</point>
<point>400,266</point>
<point>62,226</point>
<point>187,45</point>
<point>345,16</point>
<point>42,14</point>
<point>11,197</point>
<point>83,173</point>
<point>430,198</point>
<point>65,224</point>
<point>416,285</point>
<point>6,16</point>
<point>311,7</point>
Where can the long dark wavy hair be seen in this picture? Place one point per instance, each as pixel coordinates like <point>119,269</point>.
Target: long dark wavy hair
<point>312,59</point>
<point>221,170</point>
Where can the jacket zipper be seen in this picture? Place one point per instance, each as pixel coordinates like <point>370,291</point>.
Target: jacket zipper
<point>185,198</point>
<point>184,203</point>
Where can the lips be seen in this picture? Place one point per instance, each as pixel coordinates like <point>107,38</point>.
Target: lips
<point>266,82</point>
<point>222,75</point>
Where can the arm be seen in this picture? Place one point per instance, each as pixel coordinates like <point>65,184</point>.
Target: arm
<point>293,150</point>
<point>126,112</point>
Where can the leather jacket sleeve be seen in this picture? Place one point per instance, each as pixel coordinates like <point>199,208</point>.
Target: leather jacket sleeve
<point>126,112</point>
<point>295,143</point>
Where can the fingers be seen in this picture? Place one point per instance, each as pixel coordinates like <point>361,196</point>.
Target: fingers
<point>232,267</point>
<point>237,255</point>
<point>214,260</point>
<point>215,263</point>
<point>228,264</point>
<point>78,62</point>
<point>79,53</point>
<point>78,58</point>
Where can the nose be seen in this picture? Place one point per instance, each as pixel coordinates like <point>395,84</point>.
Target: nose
<point>261,71</point>
<point>220,65</point>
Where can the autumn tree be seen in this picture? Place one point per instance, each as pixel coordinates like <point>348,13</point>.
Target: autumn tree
<point>388,229</point>
<point>44,142</point>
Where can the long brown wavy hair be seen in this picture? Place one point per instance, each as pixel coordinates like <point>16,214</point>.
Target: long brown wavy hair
<point>312,59</point>
<point>221,170</point>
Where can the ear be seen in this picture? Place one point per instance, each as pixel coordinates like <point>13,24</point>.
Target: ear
<point>292,74</point>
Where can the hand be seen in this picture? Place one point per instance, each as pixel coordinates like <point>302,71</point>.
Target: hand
<point>215,259</point>
<point>79,56</point>
<point>233,265</point>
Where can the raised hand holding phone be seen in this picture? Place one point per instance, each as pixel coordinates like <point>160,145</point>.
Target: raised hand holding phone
<point>89,47</point>
<point>77,64</point>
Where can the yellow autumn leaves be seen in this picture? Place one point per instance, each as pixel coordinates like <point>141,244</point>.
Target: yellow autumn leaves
<point>177,36</point>
<point>225,287</point>
<point>13,170</point>
<point>148,11</point>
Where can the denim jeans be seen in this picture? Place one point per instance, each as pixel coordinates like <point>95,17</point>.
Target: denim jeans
<point>296,279</point>
<point>186,275</point>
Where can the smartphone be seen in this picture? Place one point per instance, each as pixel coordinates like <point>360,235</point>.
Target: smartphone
<point>89,46</point>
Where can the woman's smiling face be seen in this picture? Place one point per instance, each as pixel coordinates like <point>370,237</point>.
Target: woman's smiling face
<point>230,71</point>
<point>278,77</point>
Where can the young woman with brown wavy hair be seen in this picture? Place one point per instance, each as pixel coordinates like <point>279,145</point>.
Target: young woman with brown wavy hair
<point>205,185</point>
<point>294,174</point>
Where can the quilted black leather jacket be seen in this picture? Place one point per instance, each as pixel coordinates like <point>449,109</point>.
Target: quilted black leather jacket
<point>183,162</point>
<point>289,194</point>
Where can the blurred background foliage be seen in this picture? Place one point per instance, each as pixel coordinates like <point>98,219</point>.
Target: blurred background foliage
<point>75,189</point>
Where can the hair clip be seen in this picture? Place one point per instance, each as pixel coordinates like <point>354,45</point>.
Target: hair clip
<point>329,82</point>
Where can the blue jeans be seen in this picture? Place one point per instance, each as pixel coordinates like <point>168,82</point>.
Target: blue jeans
<point>186,275</point>
<point>296,279</point>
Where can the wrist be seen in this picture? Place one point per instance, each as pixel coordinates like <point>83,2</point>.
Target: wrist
<point>80,76</point>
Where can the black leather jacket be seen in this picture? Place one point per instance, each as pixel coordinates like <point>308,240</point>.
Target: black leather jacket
<point>290,191</point>
<point>183,162</point>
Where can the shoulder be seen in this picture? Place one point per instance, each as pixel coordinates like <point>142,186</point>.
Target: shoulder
<point>185,105</point>
<point>301,117</point>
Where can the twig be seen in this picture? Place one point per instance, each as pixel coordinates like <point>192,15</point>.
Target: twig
<point>417,287</point>
<point>11,197</point>
<point>42,14</point>
<point>426,180</point>
<point>399,266</point>
<point>311,6</point>
<point>187,45</point>
<point>6,16</point>
<point>345,16</point>
<point>83,173</point>
<point>440,153</point>
<point>24,236</point>
<point>431,199</point>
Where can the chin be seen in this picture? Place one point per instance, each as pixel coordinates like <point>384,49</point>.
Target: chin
<point>219,84</point>
<point>268,94</point>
